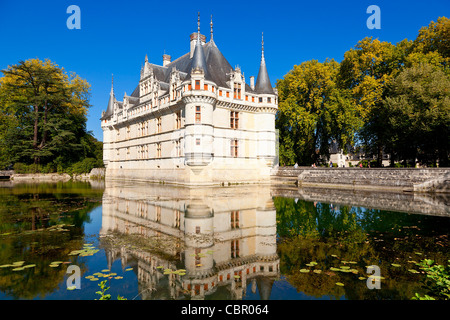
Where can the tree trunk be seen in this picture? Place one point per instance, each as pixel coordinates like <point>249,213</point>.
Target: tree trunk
<point>44,134</point>
<point>35,137</point>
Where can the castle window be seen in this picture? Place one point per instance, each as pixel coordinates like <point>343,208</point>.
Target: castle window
<point>220,93</point>
<point>234,217</point>
<point>189,87</point>
<point>198,114</point>
<point>197,84</point>
<point>234,148</point>
<point>234,249</point>
<point>260,100</point>
<point>228,94</point>
<point>158,213</point>
<point>178,147</point>
<point>177,218</point>
<point>237,90</point>
<point>253,99</point>
<point>158,125</point>
<point>268,100</point>
<point>158,150</point>
<point>205,87</point>
<point>234,119</point>
<point>197,256</point>
<point>178,120</point>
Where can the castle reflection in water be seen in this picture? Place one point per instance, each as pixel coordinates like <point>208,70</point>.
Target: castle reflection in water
<point>224,237</point>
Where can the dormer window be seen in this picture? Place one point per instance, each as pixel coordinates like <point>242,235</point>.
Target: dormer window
<point>237,90</point>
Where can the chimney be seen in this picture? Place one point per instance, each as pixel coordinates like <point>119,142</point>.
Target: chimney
<point>193,38</point>
<point>252,82</point>
<point>166,59</point>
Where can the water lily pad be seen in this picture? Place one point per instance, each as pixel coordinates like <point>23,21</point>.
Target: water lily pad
<point>413,271</point>
<point>362,278</point>
<point>168,271</point>
<point>6,265</point>
<point>396,265</point>
<point>94,279</point>
<point>29,266</point>
<point>18,269</point>
<point>304,270</point>
<point>18,263</point>
<point>128,269</point>
<point>118,277</point>
<point>339,284</point>
<point>71,287</point>
<point>53,265</point>
<point>335,269</point>
<point>106,270</point>
<point>317,271</point>
<point>345,267</point>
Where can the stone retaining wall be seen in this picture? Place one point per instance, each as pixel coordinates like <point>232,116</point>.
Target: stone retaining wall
<point>404,179</point>
<point>411,202</point>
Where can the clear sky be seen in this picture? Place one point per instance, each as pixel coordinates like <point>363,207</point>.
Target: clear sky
<point>115,35</point>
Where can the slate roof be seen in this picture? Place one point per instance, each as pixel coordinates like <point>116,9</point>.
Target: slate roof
<point>207,57</point>
<point>110,107</point>
<point>262,81</point>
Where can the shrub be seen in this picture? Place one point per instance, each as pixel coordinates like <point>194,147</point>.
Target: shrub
<point>83,166</point>
<point>437,281</point>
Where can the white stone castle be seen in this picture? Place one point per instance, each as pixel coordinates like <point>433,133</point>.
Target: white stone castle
<point>193,120</point>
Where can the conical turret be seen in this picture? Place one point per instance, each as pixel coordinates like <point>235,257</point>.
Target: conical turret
<point>263,82</point>
<point>112,99</point>
<point>198,59</point>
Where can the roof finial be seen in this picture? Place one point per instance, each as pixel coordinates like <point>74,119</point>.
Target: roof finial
<point>262,46</point>
<point>112,82</point>
<point>262,42</point>
<point>211,29</point>
<point>146,58</point>
<point>198,27</point>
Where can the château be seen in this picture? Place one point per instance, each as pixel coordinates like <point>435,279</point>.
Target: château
<point>194,120</point>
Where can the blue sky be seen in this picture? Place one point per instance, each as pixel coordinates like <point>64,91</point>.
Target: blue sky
<point>115,35</point>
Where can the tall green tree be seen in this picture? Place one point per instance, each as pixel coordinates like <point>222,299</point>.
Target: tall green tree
<point>313,112</point>
<point>43,113</point>
<point>419,114</point>
<point>366,71</point>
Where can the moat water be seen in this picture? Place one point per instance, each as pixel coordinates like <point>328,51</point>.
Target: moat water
<point>61,240</point>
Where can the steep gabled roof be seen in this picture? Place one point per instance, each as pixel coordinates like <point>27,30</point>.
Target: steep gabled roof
<point>218,66</point>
